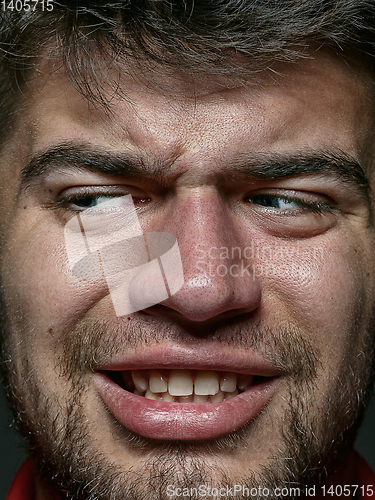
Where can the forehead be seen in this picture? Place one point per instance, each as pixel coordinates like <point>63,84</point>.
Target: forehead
<point>318,103</point>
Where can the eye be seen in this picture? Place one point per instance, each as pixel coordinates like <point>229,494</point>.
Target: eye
<point>290,213</point>
<point>285,204</point>
<point>91,198</point>
<point>273,201</point>
<point>91,201</point>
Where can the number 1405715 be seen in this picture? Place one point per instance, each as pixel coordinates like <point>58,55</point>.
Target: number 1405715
<point>348,490</point>
<point>26,5</point>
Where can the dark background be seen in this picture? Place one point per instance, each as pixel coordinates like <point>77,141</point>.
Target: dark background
<point>12,453</point>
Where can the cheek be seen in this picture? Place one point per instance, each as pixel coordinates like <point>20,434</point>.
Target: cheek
<point>41,293</point>
<point>320,287</point>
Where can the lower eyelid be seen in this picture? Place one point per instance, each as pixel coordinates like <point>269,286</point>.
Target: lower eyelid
<point>316,210</point>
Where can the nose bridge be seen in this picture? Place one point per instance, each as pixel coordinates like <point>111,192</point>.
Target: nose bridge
<point>202,225</point>
<point>206,237</point>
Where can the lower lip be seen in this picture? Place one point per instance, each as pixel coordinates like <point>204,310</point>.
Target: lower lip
<point>182,421</point>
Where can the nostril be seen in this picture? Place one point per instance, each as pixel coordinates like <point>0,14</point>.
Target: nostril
<point>204,297</point>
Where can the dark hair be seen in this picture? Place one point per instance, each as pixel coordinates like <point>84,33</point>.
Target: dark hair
<point>193,35</point>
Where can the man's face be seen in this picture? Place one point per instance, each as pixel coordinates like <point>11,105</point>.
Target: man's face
<point>263,188</point>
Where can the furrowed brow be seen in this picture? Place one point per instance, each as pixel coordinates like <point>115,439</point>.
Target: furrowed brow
<point>68,156</point>
<point>244,168</point>
<point>280,165</point>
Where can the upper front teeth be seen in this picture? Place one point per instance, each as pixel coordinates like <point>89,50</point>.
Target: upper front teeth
<point>180,383</point>
<point>189,386</point>
<point>206,384</point>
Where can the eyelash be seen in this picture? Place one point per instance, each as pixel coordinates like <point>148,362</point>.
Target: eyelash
<point>311,206</point>
<point>67,201</point>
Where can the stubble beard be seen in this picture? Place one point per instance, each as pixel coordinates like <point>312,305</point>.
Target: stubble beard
<point>61,437</point>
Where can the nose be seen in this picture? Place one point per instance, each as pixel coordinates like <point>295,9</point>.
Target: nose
<point>218,280</point>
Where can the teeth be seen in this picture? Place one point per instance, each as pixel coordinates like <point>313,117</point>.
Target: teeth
<point>229,395</point>
<point>151,395</point>
<point>180,383</point>
<point>157,382</point>
<point>218,398</point>
<point>206,383</point>
<point>183,386</point>
<point>200,399</point>
<point>141,384</point>
<point>167,397</point>
<point>186,399</point>
<point>228,382</point>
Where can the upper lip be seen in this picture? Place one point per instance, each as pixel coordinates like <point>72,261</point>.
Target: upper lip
<point>195,357</point>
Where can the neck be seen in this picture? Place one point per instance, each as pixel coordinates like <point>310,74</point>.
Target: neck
<point>334,486</point>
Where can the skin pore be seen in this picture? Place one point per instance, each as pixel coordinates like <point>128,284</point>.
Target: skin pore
<point>279,169</point>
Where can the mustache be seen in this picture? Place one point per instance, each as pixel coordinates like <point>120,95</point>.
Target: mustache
<point>94,343</point>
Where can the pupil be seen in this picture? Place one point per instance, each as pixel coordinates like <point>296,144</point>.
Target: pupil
<point>86,202</point>
<point>266,200</point>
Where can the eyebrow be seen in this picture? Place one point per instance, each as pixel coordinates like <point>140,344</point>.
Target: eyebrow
<point>282,165</point>
<point>72,156</point>
<point>243,168</point>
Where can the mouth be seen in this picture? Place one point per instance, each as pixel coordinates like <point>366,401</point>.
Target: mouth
<point>188,402</point>
<point>185,386</point>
